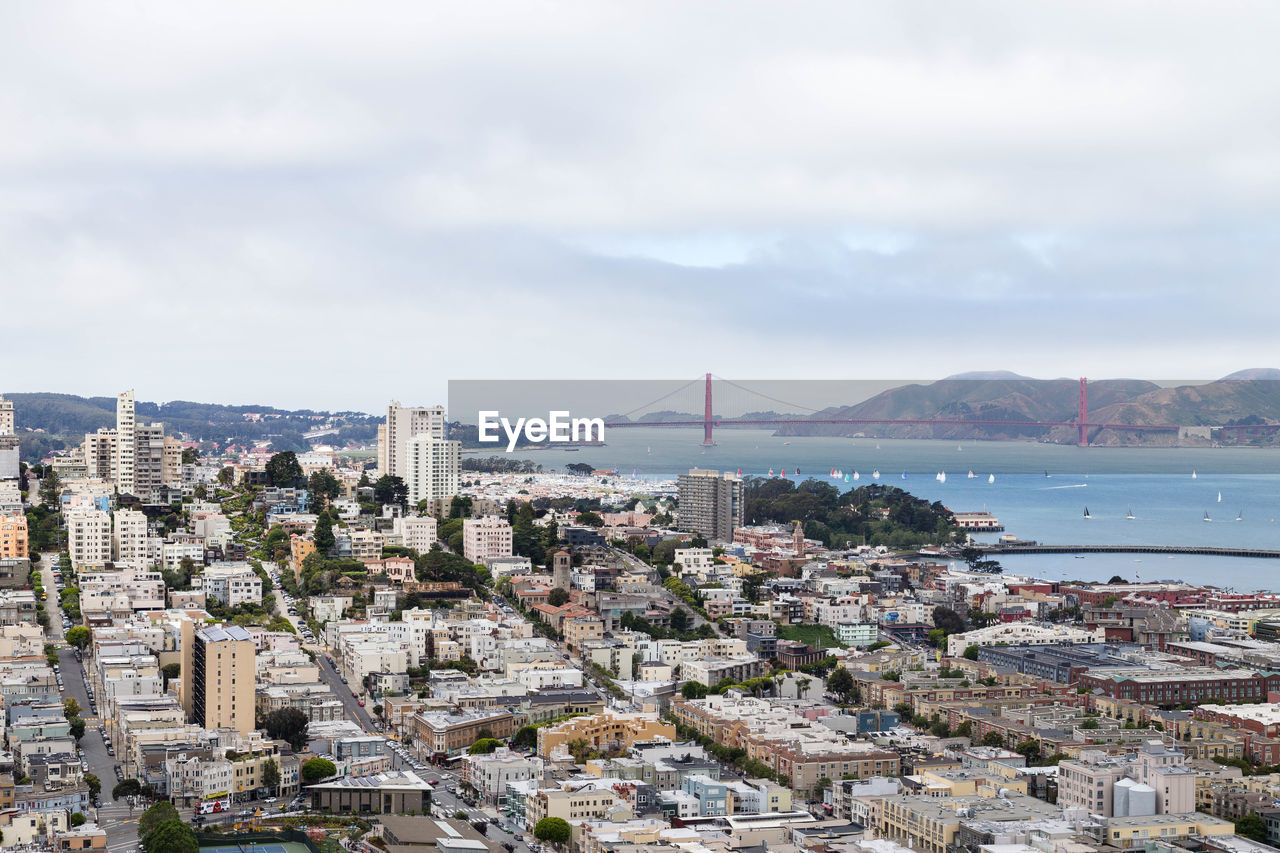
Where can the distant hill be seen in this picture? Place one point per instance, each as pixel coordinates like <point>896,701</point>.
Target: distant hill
<point>1119,401</point>
<point>1270,373</point>
<point>48,421</point>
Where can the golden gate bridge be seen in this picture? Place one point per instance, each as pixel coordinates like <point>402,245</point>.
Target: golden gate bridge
<point>709,421</point>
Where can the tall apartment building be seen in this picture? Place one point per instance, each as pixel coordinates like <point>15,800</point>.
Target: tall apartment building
<point>489,536</point>
<point>403,424</point>
<point>711,504</point>
<point>135,457</point>
<point>8,442</point>
<point>433,468</point>
<point>218,672</point>
<point>129,539</point>
<point>88,537</point>
<point>13,537</point>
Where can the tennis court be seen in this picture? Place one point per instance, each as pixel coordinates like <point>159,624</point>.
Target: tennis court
<point>272,847</point>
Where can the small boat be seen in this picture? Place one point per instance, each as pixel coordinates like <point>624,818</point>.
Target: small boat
<point>904,475</point>
<point>784,472</point>
<point>1206,516</point>
<point>991,478</point>
<point>770,472</point>
<point>846,476</point>
<point>875,475</point>
<point>1193,473</point>
<point>739,472</point>
<point>1046,474</point>
<point>942,476</point>
<point>972,475</point>
<point>1086,513</point>
<point>855,475</point>
<point>1240,515</point>
<point>786,444</point>
<point>1129,514</point>
<point>959,448</point>
<point>1219,497</point>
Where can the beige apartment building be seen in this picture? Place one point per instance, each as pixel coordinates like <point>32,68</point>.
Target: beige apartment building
<point>129,538</point>
<point>433,468</point>
<point>88,537</point>
<point>218,673</point>
<point>486,537</point>
<point>402,425</point>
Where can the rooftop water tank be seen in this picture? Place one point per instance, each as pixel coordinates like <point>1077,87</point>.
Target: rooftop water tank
<point>1120,797</point>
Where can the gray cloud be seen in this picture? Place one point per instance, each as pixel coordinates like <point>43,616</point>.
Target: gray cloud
<point>325,205</point>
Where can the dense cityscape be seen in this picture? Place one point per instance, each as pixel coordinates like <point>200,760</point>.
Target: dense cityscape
<point>388,649</point>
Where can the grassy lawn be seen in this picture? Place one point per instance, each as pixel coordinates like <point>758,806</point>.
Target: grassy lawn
<point>818,636</point>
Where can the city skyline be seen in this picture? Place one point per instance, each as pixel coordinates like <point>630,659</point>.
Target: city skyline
<point>976,187</point>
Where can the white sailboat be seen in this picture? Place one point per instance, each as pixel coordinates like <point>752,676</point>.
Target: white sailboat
<point>1240,515</point>
<point>855,475</point>
<point>991,478</point>
<point>942,476</point>
<point>1129,514</point>
<point>972,475</point>
<point>1193,473</point>
<point>1219,497</point>
<point>875,475</point>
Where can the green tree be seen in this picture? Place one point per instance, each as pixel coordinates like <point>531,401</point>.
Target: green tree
<point>94,784</point>
<point>553,830</point>
<point>992,739</point>
<point>77,819</point>
<point>679,620</point>
<point>590,519</point>
<point>283,469</point>
<point>77,727</point>
<point>170,671</point>
<point>323,534</point>
<point>70,707</point>
<point>316,769</point>
<point>271,776</point>
<point>1252,827</point>
<point>948,620</point>
<point>200,491</point>
<point>841,683</point>
<point>154,816</point>
<point>227,476</point>
<point>323,488</point>
<point>557,597</point>
<point>526,738</point>
<point>190,455</point>
<point>390,489</point>
<point>79,636</point>
<point>287,724</point>
<point>971,652</point>
<point>484,746</point>
<point>1029,749</point>
<point>172,836</point>
<point>693,690</point>
<point>51,490</point>
<point>127,788</point>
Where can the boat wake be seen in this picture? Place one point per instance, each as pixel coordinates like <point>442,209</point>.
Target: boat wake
<point>1072,486</point>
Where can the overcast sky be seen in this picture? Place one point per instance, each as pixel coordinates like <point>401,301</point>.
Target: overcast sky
<point>330,204</point>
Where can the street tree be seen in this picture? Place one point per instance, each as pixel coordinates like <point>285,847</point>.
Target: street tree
<point>693,690</point>
<point>79,636</point>
<point>172,836</point>
<point>127,788</point>
<point>552,830</point>
<point>271,776</point>
<point>155,816</point>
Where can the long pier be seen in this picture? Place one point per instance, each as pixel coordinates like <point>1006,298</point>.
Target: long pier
<point>1199,550</point>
